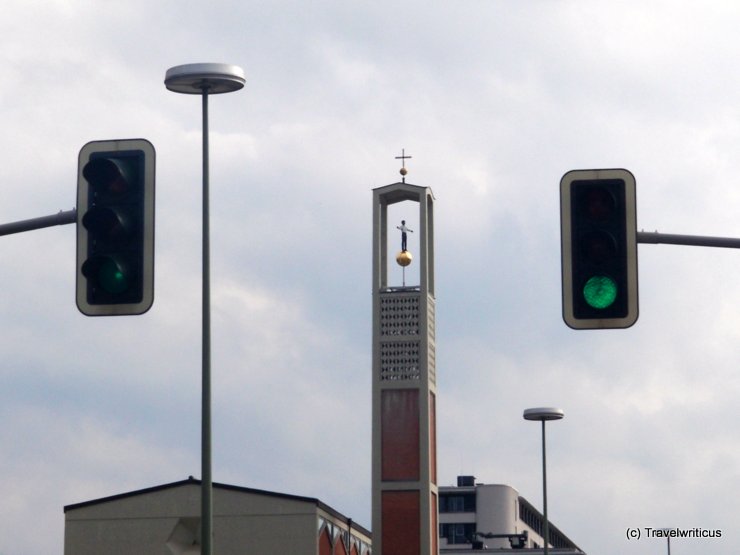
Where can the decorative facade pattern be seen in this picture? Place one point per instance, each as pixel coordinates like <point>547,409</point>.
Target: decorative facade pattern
<point>400,330</point>
<point>337,540</point>
<point>399,360</point>
<point>399,314</point>
<point>431,349</point>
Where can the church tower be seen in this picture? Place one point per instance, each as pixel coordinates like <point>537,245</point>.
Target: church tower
<point>404,465</point>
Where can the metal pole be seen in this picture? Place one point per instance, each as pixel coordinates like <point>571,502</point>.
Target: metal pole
<point>544,492</point>
<point>206,479</point>
<point>61,218</point>
<point>690,240</point>
<point>205,79</point>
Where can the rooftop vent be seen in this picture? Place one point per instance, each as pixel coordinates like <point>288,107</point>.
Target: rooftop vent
<point>463,481</point>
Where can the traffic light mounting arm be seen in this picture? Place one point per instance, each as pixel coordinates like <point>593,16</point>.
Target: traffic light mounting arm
<point>62,217</point>
<point>654,238</point>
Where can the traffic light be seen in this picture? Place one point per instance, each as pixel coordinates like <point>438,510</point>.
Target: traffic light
<point>115,227</point>
<point>599,248</point>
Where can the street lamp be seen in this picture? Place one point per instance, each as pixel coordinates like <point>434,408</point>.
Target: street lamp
<point>205,80</point>
<point>544,414</point>
<point>668,537</point>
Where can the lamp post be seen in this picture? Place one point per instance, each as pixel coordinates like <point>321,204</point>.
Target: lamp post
<point>205,80</point>
<point>668,538</point>
<point>544,414</point>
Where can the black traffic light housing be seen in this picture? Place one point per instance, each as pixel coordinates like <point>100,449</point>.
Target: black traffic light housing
<point>599,248</point>
<point>115,227</point>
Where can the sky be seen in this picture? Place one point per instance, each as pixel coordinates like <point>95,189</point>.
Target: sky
<point>494,100</point>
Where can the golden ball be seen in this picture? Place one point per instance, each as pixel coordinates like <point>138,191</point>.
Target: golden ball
<point>404,258</point>
<point>403,171</point>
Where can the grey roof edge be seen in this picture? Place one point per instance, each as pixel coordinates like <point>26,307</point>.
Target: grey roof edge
<point>401,186</point>
<point>194,481</point>
<point>399,183</point>
<point>553,528</point>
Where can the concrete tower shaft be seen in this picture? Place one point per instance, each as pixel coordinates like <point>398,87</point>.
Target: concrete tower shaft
<point>404,466</point>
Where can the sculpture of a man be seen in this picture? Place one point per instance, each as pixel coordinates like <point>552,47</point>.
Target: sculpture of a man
<point>404,230</point>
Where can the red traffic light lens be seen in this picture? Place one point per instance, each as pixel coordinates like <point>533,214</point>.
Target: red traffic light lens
<point>107,175</point>
<point>599,204</point>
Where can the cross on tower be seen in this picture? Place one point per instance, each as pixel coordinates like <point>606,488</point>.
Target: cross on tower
<point>403,158</point>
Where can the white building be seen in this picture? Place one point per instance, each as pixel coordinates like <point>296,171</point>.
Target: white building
<point>475,517</point>
<point>164,520</point>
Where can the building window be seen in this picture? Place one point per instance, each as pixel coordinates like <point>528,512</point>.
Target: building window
<point>457,533</point>
<point>457,503</point>
<point>535,521</point>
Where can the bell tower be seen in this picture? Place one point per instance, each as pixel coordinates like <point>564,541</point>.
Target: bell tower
<point>404,459</point>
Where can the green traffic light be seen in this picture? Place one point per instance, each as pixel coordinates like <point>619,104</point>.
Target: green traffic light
<point>115,227</point>
<point>112,278</point>
<point>600,292</point>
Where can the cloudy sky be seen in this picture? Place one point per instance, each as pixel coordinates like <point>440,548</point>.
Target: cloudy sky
<point>495,100</point>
